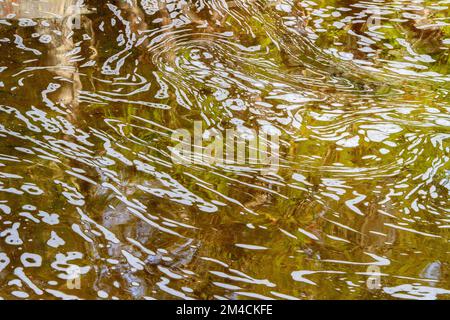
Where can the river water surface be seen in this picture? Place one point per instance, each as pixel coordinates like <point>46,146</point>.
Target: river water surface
<point>92,205</point>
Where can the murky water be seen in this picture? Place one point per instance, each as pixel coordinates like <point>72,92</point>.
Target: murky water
<point>92,205</point>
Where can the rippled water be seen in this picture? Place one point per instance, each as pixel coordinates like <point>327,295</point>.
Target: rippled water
<point>359,91</point>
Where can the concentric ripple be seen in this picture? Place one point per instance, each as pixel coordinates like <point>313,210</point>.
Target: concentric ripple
<point>89,99</point>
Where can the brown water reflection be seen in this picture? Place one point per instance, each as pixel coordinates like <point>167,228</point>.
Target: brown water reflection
<point>92,205</point>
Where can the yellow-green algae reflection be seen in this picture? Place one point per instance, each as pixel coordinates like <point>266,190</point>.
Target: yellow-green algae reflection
<point>90,93</point>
